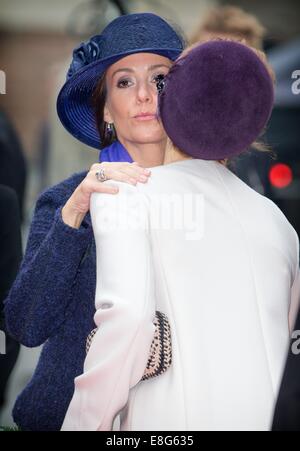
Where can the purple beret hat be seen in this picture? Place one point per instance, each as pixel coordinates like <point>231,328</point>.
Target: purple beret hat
<point>216,100</point>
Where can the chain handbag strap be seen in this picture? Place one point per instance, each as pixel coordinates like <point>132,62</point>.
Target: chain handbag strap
<point>160,357</point>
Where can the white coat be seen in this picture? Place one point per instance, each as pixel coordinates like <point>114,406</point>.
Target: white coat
<point>221,261</point>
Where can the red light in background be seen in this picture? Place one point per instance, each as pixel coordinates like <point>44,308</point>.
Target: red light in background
<point>280,175</point>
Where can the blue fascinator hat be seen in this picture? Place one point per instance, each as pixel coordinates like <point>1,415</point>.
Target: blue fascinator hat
<point>126,35</point>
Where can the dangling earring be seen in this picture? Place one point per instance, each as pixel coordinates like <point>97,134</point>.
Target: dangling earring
<point>109,128</point>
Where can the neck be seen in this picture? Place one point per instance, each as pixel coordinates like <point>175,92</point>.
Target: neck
<point>147,155</point>
<point>173,154</point>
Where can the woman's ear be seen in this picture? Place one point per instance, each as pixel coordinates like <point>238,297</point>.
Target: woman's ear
<point>106,115</point>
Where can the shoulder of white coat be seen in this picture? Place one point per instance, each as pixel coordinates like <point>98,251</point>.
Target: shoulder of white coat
<point>273,209</point>
<point>286,234</point>
<point>127,210</point>
<point>125,189</point>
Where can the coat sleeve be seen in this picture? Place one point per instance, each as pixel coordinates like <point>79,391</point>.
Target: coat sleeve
<point>295,291</point>
<point>295,301</point>
<point>287,408</point>
<point>125,310</point>
<point>38,301</point>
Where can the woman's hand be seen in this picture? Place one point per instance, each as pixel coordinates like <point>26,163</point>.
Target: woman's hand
<point>79,203</point>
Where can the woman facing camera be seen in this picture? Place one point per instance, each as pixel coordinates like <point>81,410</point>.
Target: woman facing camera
<point>52,299</point>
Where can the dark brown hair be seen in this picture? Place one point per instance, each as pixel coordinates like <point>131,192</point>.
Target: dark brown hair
<point>98,101</point>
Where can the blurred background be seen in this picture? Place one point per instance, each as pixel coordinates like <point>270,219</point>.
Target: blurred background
<point>36,41</point>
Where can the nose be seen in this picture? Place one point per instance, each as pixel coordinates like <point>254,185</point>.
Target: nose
<point>145,93</point>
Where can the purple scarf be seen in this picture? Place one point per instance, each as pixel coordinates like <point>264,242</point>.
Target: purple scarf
<point>115,152</point>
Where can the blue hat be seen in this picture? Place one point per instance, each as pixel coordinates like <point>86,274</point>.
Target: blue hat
<point>126,35</point>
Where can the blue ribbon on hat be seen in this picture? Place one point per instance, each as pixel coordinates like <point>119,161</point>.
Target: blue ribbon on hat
<point>85,53</point>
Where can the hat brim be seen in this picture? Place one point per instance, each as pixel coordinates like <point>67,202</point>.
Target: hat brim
<point>74,102</point>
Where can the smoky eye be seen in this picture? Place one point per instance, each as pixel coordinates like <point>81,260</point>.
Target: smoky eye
<point>158,77</point>
<point>123,83</point>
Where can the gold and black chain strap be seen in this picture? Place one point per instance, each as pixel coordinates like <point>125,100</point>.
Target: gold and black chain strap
<point>160,357</point>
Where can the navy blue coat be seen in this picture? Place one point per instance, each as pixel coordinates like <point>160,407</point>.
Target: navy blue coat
<point>52,302</point>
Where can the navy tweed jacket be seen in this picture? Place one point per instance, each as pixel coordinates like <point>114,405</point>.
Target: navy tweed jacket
<point>52,302</point>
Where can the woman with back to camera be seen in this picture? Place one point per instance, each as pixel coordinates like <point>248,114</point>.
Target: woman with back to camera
<point>52,299</point>
<point>225,275</point>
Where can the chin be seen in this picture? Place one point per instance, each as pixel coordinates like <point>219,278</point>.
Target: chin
<point>150,138</point>
<point>150,134</point>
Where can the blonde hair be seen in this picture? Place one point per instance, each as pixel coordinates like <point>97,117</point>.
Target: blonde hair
<point>230,21</point>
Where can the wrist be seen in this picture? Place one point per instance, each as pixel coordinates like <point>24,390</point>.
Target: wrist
<point>72,217</point>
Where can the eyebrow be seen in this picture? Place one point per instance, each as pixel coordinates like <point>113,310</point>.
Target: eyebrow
<point>128,69</point>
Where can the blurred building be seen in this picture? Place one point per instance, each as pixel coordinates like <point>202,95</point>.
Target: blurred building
<point>37,38</point>
<point>284,131</point>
